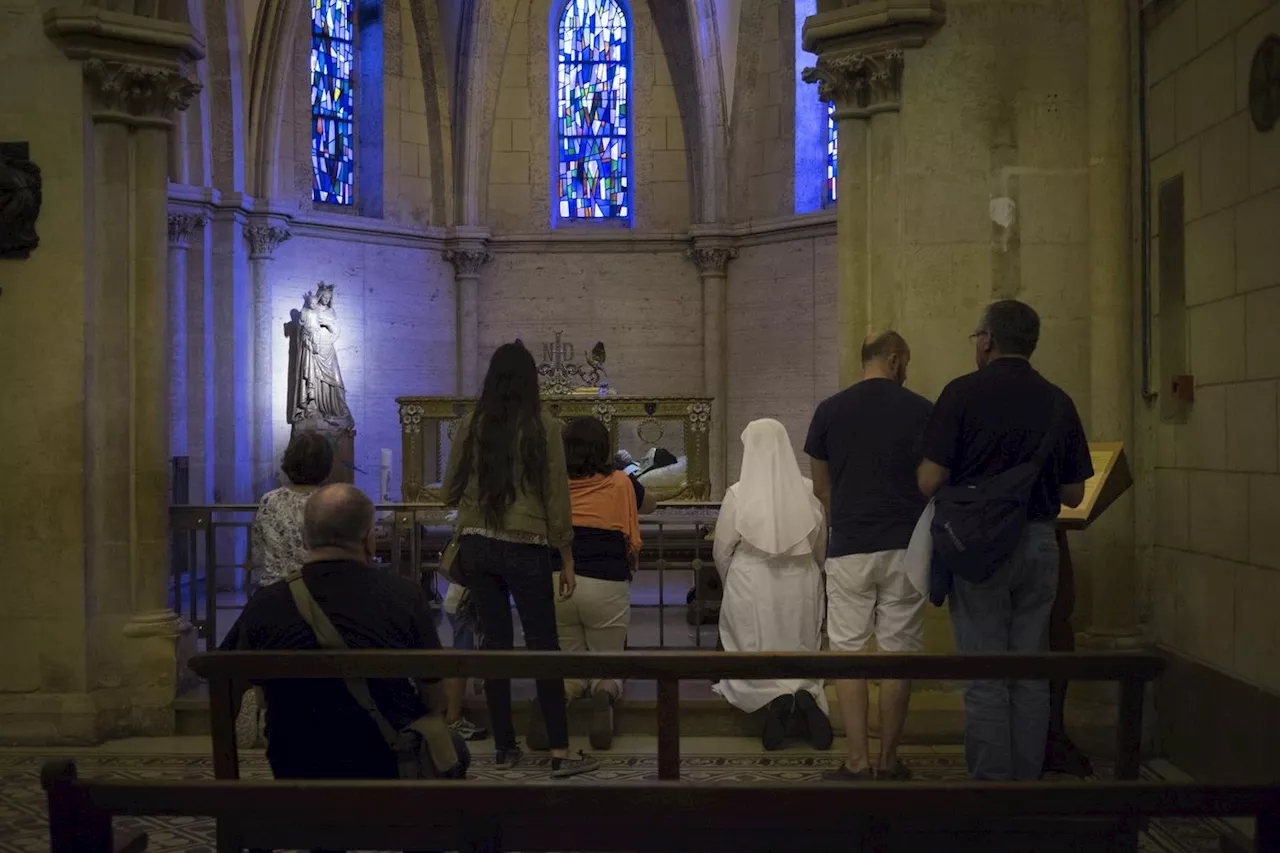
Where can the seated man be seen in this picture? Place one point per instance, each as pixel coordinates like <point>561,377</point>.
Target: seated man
<point>315,729</point>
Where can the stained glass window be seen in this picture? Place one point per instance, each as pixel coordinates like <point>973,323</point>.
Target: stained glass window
<point>593,114</point>
<point>332,106</point>
<point>833,147</point>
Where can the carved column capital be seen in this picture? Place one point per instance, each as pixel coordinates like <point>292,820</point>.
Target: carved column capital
<point>860,84</point>
<point>264,240</point>
<point>131,91</point>
<point>711,260</point>
<point>467,263</point>
<point>182,226</point>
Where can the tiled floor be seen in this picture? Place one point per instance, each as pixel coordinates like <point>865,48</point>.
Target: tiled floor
<point>22,808</point>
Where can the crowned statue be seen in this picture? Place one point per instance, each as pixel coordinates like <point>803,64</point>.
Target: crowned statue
<point>318,397</point>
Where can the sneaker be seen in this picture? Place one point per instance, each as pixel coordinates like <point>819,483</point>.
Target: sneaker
<point>537,727</point>
<point>777,714</point>
<point>844,774</point>
<point>899,772</point>
<point>816,722</point>
<point>468,730</point>
<point>601,732</point>
<point>505,759</point>
<point>571,765</point>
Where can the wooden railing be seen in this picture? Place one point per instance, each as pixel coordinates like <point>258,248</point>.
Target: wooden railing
<point>225,669</point>
<point>646,816</point>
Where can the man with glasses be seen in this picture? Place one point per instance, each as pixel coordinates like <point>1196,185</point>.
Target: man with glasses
<point>984,424</point>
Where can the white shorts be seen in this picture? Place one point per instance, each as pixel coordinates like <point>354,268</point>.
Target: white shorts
<point>871,593</point>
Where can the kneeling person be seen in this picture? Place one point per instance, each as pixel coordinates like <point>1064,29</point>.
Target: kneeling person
<point>769,544</point>
<point>315,728</point>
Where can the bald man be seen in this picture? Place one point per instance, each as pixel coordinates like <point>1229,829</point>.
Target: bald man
<point>315,729</point>
<point>864,446</point>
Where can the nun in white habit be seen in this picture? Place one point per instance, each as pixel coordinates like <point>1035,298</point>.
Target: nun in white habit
<point>769,544</point>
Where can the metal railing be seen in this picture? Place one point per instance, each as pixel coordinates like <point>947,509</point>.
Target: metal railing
<point>212,559</point>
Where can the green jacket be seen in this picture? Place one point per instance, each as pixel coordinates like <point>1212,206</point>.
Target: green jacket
<point>550,515</point>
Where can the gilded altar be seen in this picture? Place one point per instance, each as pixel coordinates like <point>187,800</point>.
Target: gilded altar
<point>428,425</point>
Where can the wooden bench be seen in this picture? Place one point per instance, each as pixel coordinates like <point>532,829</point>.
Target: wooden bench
<point>225,669</point>
<point>643,816</point>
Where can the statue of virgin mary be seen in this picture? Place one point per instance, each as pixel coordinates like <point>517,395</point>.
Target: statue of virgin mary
<point>320,398</point>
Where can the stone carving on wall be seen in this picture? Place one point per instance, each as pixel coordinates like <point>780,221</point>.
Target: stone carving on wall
<point>860,84</point>
<point>139,90</point>
<point>317,394</point>
<point>711,260</point>
<point>182,226</point>
<point>20,199</point>
<point>467,263</point>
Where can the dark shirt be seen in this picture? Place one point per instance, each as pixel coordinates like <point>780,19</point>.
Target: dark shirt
<point>315,730</point>
<point>987,422</point>
<point>601,554</point>
<point>869,436</point>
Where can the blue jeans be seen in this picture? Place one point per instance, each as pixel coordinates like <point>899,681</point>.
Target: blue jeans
<point>1006,722</point>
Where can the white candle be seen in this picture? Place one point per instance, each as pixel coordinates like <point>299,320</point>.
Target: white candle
<point>384,478</point>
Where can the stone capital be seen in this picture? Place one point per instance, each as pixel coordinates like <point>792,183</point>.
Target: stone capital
<point>467,262</point>
<point>182,226</point>
<point>860,84</point>
<point>711,260</point>
<point>130,91</point>
<point>264,240</point>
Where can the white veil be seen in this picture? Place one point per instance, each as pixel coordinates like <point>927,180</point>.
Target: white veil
<point>774,508</point>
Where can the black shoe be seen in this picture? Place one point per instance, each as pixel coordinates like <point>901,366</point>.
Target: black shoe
<point>844,774</point>
<point>537,727</point>
<point>777,716</point>
<point>1065,757</point>
<point>899,772</point>
<point>601,732</point>
<point>563,768</point>
<point>505,759</point>
<point>815,722</point>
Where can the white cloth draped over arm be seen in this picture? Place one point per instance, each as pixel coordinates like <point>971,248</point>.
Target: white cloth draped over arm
<point>818,538</point>
<point>727,536</point>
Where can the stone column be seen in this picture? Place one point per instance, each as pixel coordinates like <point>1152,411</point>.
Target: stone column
<point>861,58</point>
<point>263,239</point>
<point>181,227</point>
<point>468,259</point>
<point>711,255</point>
<point>1112,558</point>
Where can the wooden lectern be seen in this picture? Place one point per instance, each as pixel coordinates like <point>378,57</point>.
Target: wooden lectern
<point>1111,479</point>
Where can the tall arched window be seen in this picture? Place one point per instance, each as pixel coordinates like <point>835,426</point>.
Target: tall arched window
<point>593,111</point>
<point>332,104</point>
<point>833,148</point>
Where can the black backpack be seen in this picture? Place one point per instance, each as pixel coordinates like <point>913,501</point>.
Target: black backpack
<point>978,525</point>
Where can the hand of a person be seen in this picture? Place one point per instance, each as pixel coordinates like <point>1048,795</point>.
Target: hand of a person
<point>568,582</point>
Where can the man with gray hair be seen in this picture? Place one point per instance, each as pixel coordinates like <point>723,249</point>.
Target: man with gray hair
<point>1003,419</point>
<point>863,447</point>
<point>315,728</point>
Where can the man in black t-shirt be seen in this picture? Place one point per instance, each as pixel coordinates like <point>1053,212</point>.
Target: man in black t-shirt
<point>315,729</point>
<point>863,447</point>
<point>984,424</point>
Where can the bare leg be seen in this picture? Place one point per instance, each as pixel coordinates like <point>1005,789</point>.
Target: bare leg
<point>894,698</point>
<point>853,710</point>
<point>453,690</point>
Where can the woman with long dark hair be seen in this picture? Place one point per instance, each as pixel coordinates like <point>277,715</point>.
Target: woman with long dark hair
<point>508,479</point>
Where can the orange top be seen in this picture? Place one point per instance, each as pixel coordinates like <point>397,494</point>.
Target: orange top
<point>607,503</point>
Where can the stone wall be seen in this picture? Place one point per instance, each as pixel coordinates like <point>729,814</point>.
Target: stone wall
<point>43,677</point>
<point>521,169</point>
<point>1214,491</point>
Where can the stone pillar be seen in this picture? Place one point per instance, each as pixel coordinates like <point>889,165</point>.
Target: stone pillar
<point>136,71</point>
<point>711,255</point>
<point>181,227</point>
<point>1112,559</point>
<point>263,239</point>
<point>861,58</point>
<point>468,258</point>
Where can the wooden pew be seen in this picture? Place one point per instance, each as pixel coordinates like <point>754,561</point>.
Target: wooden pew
<point>639,817</point>
<point>227,670</point>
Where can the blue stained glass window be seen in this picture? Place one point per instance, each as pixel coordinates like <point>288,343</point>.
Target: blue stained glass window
<point>593,113</point>
<point>833,148</point>
<point>332,107</point>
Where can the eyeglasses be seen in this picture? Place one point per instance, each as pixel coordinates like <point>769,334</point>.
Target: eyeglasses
<point>974,336</point>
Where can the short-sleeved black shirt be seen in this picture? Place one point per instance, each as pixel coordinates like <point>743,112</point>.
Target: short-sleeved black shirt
<point>989,421</point>
<point>869,436</point>
<point>314,728</point>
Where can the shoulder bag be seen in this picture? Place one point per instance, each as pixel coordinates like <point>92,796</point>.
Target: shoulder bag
<point>424,749</point>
